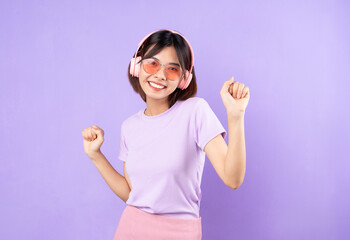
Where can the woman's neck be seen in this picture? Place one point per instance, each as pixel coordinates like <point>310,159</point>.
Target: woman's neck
<point>155,107</point>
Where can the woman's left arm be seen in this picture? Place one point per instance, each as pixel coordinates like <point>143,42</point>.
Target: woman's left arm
<point>235,162</point>
<point>235,97</point>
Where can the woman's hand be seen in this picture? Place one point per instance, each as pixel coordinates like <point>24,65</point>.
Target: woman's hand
<point>92,140</point>
<point>235,97</point>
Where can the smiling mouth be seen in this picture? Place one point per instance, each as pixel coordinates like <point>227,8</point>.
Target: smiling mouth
<point>156,86</point>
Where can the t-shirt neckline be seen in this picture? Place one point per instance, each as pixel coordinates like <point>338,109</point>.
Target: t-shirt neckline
<point>144,116</point>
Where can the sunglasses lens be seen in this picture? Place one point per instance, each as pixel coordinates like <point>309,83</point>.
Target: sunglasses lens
<point>151,66</point>
<point>173,72</point>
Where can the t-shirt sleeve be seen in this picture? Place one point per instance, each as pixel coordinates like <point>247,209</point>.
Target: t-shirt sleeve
<point>207,125</point>
<point>123,150</point>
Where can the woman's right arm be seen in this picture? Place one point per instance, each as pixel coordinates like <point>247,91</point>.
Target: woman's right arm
<point>93,137</point>
<point>115,181</point>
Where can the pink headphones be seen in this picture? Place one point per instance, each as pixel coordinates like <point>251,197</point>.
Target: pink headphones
<point>135,67</point>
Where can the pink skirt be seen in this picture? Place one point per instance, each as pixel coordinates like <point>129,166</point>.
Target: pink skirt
<point>135,224</point>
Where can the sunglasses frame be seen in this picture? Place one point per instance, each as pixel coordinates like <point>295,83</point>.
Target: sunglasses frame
<point>165,67</point>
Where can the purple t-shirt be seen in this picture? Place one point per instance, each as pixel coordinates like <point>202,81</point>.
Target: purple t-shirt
<point>164,157</point>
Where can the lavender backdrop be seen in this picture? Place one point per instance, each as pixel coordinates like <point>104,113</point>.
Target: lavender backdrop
<point>63,68</point>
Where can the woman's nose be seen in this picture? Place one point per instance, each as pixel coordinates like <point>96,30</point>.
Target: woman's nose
<point>161,72</point>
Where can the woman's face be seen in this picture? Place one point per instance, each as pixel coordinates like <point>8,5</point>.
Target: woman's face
<point>166,56</point>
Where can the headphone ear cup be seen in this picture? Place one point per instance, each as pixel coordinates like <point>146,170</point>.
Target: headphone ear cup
<point>188,81</point>
<point>134,64</point>
<point>183,85</point>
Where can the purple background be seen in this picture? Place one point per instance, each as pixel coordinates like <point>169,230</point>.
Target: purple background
<point>63,68</point>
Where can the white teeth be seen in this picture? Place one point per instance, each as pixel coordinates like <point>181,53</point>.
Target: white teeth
<point>156,85</point>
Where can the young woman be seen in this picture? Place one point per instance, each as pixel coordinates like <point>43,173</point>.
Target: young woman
<point>163,146</point>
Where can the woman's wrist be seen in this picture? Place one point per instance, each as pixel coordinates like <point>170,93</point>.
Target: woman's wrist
<point>95,155</point>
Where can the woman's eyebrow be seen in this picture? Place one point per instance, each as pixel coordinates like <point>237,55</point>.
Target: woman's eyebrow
<point>176,64</point>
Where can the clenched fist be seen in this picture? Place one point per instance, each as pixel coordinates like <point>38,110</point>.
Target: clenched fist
<point>92,140</point>
<point>235,97</point>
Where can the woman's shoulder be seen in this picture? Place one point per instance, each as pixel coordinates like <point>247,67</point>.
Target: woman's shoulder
<point>197,103</point>
<point>194,101</point>
<point>193,106</point>
<point>133,119</point>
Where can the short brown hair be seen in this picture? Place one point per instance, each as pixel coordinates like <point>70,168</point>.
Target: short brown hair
<point>161,39</point>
